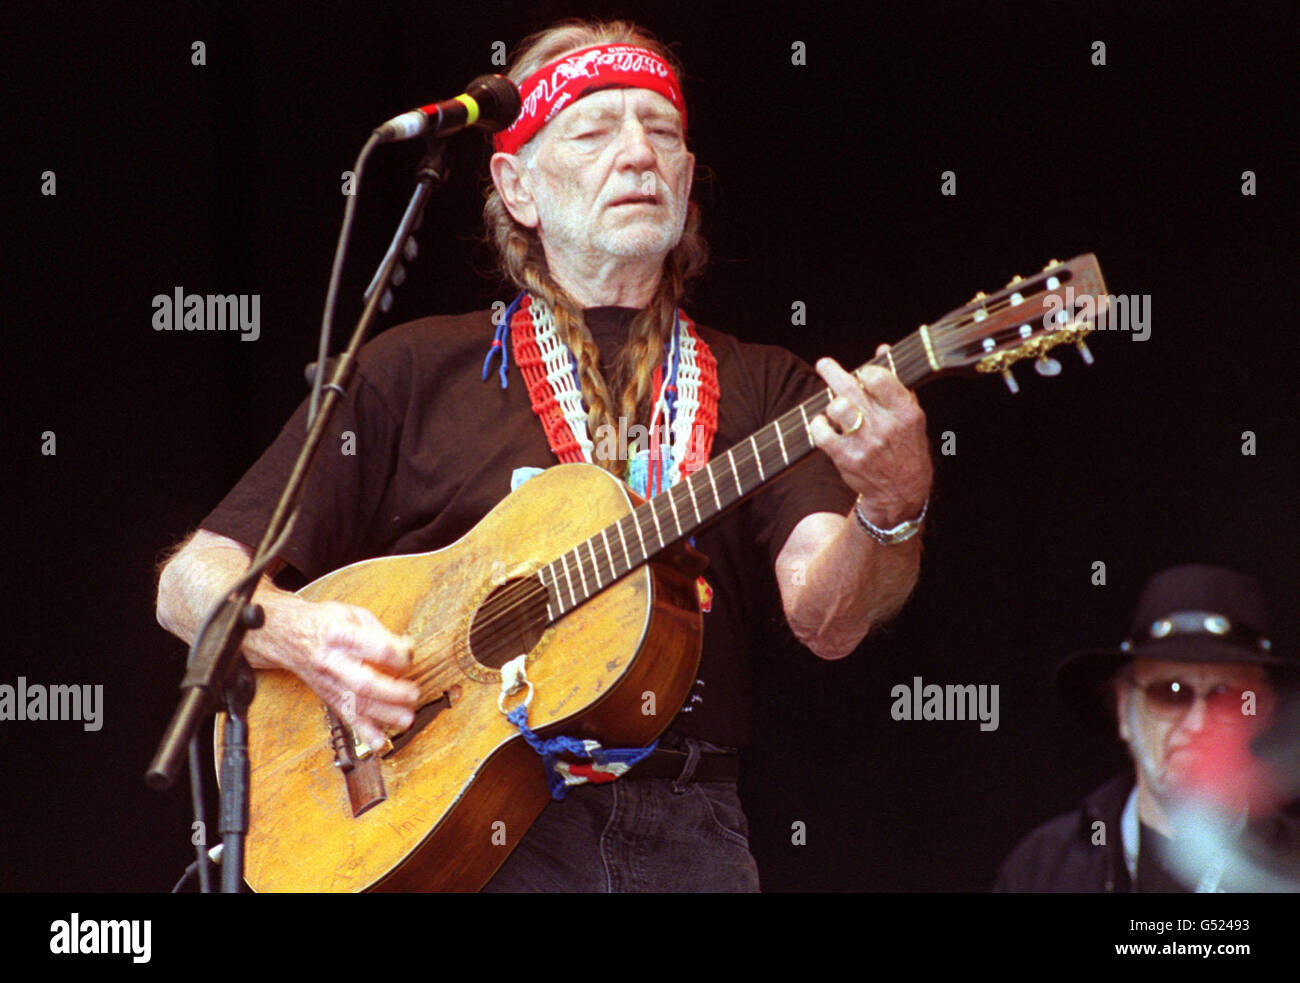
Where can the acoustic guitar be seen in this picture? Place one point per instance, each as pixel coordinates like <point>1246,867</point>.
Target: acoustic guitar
<point>600,600</point>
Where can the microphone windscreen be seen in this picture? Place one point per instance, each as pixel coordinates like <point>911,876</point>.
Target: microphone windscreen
<point>498,101</point>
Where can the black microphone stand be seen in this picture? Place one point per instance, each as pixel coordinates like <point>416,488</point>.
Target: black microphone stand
<point>217,674</point>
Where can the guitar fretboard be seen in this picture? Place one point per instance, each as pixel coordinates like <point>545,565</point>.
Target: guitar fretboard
<point>674,514</point>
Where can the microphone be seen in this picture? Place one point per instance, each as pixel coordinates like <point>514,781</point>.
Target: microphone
<point>490,102</point>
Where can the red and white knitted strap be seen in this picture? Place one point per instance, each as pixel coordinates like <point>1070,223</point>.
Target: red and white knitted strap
<point>551,375</point>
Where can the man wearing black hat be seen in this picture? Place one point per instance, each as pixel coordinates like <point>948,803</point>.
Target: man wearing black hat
<point>1189,688</point>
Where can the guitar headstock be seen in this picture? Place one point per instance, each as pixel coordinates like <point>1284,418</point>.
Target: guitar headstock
<point>1025,319</point>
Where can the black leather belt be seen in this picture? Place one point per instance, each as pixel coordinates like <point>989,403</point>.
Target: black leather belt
<point>666,765</point>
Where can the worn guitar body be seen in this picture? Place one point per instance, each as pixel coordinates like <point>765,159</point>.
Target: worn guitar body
<point>460,794</point>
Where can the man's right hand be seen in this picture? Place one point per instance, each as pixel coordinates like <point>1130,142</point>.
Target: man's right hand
<point>343,652</point>
<point>347,657</point>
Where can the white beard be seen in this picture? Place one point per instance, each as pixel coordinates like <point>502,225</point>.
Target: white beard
<point>564,227</point>
<point>643,239</point>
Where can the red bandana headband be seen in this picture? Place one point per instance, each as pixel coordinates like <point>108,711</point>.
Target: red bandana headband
<point>579,73</point>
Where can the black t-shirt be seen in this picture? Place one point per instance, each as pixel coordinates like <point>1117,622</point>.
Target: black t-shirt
<point>423,447</point>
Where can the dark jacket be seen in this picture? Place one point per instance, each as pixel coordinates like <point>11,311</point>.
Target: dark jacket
<point>1060,855</point>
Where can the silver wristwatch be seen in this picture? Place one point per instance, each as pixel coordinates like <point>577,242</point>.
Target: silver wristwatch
<point>901,533</point>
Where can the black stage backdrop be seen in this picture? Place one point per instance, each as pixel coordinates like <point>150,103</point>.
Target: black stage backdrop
<point>821,183</point>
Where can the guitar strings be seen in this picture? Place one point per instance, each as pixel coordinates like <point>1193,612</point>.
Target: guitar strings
<point>512,596</point>
<point>523,602</point>
<point>523,605</point>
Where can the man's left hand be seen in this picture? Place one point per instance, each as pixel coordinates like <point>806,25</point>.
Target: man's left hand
<point>880,448</point>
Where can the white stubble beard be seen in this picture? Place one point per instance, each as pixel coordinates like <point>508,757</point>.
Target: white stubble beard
<point>564,226</point>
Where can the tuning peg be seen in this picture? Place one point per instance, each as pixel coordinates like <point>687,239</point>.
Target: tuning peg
<point>978,297</point>
<point>1051,263</point>
<point>1010,380</point>
<point>1014,280</point>
<point>1083,351</point>
<point>1047,366</point>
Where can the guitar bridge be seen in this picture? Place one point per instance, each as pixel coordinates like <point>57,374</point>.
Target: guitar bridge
<point>423,717</point>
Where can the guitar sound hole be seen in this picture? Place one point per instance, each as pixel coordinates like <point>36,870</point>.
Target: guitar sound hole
<point>509,622</point>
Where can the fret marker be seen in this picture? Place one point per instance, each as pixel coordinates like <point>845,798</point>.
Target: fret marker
<point>613,570</point>
<point>690,487</point>
<point>627,557</point>
<point>673,505</point>
<point>645,553</point>
<point>757,458</point>
<point>716,497</point>
<point>654,514</point>
<point>780,438</point>
<point>582,575</point>
<point>568,577</point>
<point>731,459</point>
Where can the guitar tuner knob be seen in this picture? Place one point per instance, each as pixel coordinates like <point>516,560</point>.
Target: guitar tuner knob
<point>1010,380</point>
<point>1014,280</point>
<point>980,295</point>
<point>1047,366</point>
<point>1084,354</point>
<point>1050,264</point>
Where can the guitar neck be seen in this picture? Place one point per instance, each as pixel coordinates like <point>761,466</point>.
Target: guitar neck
<point>674,514</point>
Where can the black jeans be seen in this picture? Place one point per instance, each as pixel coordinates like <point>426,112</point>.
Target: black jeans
<point>636,835</point>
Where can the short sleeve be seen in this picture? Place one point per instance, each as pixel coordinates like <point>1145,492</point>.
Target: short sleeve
<point>344,490</point>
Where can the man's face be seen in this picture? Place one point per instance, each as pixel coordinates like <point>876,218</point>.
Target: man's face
<point>611,176</point>
<point>1187,725</point>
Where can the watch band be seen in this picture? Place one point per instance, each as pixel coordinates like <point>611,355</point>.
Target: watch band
<point>889,537</point>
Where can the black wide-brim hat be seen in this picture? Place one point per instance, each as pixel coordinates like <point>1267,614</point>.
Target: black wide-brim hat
<point>1192,613</point>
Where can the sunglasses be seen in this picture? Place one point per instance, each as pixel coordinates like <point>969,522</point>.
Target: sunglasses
<point>1173,698</point>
